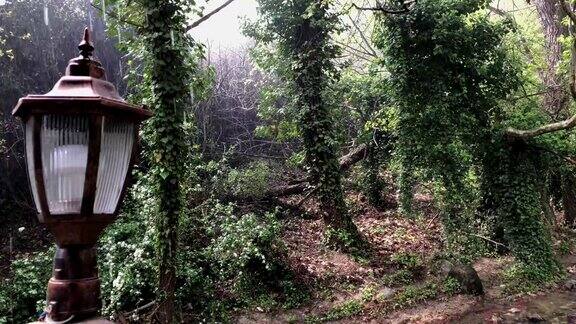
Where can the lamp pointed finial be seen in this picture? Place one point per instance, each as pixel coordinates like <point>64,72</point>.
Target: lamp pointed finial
<point>85,45</point>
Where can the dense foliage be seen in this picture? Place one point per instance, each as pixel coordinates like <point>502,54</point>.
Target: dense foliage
<point>451,126</point>
<point>399,113</point>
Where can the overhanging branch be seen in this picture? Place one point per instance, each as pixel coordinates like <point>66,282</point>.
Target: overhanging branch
<point>207,16</point>
<point>550,128</point>
<point>565,124</point>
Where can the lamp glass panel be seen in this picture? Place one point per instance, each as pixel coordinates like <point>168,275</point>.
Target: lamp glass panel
<point>115,153</point>
<point>29,128</point>
<point>64,141</point>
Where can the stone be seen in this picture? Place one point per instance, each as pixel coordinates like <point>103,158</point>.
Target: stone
<point>535,318</point>
<point>386,293</point>
<point>570,284</point>
<point>466,276</point>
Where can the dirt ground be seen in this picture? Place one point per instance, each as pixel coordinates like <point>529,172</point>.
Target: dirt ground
<point>339,278</point>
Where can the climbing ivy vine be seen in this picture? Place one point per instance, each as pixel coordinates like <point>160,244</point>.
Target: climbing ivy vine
<point>300,30</point>
<point>449,90</point>
<point>167,43</point>
<point>165,74</point>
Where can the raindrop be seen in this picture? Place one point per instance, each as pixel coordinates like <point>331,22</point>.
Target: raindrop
<point>104,11</point>
<point>172,37</point>
<point>90,18</point>
<point>119,34</point>
<point>120,71</point>
<point>46,17</point>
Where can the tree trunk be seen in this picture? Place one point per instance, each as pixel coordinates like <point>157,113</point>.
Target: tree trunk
<point>312,54</point>
<point>555,101</point>
<point>550,14</point>
<point>545,200</point>
<point>169,79</point>
<point>569,199</point>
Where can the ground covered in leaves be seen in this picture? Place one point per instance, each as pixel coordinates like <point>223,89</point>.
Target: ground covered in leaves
<point>397,280</point>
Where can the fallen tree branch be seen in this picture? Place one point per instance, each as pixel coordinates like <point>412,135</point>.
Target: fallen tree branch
<point>356,155</point>
<point>150,304</point>
<point>288,190</point>
<point>299,186</point>
<point>308,195</point>
<point>491,241</point>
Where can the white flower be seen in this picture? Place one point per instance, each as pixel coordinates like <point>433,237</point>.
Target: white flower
<point>138,253</point>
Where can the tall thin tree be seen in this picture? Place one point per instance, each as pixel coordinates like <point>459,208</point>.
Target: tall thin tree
<point>302,30</point>
<point>167,46</point>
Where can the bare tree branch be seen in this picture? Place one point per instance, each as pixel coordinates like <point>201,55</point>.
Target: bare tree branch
<point>379,7</point>
<point>207,16</point>
<point>572,16</point>
<point>357,52</point>
<point>364,39</point>
<point>523,41</point>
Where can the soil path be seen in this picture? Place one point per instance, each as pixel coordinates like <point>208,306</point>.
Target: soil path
<point>338,278</point>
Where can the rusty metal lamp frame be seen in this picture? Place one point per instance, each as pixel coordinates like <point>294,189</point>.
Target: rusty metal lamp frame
<point>74,289</point>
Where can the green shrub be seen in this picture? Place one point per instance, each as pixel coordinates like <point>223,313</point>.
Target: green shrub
<point>227,259</point>
<point>126,257</point>
<point>398,278</point>
<point>523,278</point>
<point>565,247</point>
<point>23,294</point>
<point>344,310</point>
<point>407,260</point>
<point>242,242</point>
<point>249,182</point>
<point>451,286</point>
<point>412,295</point>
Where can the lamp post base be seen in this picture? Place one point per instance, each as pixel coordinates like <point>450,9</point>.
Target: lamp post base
<point>74,289</point>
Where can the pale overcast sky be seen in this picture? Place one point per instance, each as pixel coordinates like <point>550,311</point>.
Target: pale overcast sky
<point>224,29</point>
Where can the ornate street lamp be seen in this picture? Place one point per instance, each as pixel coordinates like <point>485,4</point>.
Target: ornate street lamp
<point>80,145</point>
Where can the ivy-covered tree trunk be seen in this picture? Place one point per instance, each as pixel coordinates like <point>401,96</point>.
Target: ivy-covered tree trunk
<point>520,211</point>
<point>378,152</point>
<point>310,68</point>
<point>569,198</point>
<point>169,79</point>
<point>373,185</point>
